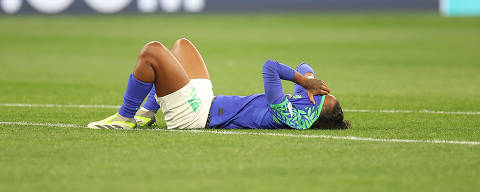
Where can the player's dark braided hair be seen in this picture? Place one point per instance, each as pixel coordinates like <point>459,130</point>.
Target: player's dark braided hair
<point>331,119</point>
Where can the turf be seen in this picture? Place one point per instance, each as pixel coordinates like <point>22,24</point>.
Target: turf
<point>376,61</point>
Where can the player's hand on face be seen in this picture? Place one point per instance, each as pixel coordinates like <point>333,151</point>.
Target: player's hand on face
<point>316,87</point>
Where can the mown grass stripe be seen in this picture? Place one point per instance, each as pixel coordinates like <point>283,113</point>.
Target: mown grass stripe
<point>345,110</point>
<point>353,138</point>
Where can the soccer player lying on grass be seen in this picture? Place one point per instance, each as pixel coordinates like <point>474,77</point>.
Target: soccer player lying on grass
<point>179,81</point>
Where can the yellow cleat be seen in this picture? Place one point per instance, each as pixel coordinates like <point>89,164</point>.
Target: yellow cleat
<point>145,117</point>
<point>114,122</point>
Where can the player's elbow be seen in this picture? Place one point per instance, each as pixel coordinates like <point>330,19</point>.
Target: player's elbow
<point>269,66</point>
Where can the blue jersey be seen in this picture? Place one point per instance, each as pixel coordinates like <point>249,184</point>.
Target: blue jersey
<point>271,110</point>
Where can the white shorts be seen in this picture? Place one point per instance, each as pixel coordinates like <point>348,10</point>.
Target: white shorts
<point>188,107</point>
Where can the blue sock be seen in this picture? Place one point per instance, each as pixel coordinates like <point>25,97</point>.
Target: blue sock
<point>151,103</point>
<point>134,96</point>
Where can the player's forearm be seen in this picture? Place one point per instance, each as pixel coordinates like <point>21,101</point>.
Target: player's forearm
<point>300,79</point>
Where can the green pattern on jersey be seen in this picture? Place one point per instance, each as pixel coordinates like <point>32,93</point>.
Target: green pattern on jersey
<point>297,118</point>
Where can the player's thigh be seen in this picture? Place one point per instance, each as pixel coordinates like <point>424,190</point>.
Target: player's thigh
<point>190,59</point>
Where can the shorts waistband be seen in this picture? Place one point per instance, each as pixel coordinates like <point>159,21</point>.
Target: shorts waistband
<point>208,118</point>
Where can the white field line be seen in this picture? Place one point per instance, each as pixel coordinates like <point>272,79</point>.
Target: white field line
<point>345,110</point>
<point>222,132</point>
<point>58,105</point>
<point>413,111</point>
<point>42,124</point>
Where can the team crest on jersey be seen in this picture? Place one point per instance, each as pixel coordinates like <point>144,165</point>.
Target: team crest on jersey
<point>194,101</point>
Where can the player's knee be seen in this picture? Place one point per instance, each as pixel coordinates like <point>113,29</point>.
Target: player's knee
<point>150,48</point>
<point>153,44</point>
<point>183,39</point>
<point>182,42</point>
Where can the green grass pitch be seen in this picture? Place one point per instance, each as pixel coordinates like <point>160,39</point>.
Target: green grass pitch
<point>378,61</point>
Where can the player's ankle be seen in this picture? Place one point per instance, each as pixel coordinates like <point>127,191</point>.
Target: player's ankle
<point>147,110</point>
<point>124,117</point>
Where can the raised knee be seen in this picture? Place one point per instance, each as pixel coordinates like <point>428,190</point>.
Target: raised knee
<point>150,48</point>
<point>152,44</point>
<point>183,41</point>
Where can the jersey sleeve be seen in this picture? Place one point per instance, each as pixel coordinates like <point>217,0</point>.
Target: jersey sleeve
<point>273,72</point>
